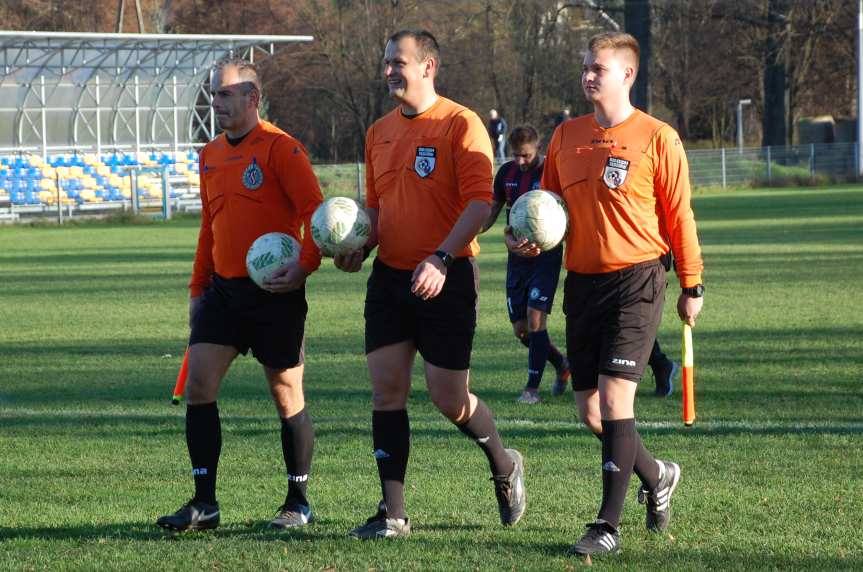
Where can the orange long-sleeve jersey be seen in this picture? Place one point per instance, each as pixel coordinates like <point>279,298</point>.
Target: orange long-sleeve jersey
<point>264,184</point>
<point>421,172</point>
<point>627,192</point>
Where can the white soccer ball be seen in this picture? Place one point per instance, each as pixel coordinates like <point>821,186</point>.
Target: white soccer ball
<point>340,226</point>
<point>270,252</point>
<point>540,217</point>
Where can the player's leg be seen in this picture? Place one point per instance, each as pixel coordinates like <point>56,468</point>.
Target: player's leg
<point>633,301</point>
<point>449,392</point>
<point>275,327</point>
<point>445,331</point>
<point>208,364</point>
<point>540,347</point>
<point>664,370</point>
<point>390,351</point>
<point>390,371</point>
<point>298,442</point>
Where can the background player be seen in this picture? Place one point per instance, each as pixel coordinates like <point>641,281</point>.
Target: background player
<point>624,176</point>
<point>531,281</point>
<point>429,185</point>
<point>255,179</point>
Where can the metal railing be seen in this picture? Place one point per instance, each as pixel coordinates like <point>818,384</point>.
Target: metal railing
<point>760,166</point>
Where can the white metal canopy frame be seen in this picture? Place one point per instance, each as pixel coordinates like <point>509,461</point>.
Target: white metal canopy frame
<point>68,90</point>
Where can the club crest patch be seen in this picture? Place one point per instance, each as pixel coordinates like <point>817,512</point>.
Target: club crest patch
<point>253,176</point>
<point>615,172</point>
<point>534,293</point>
<point>424,162</point>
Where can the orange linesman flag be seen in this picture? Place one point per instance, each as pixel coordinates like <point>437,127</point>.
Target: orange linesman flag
<point>180,385</point>
<point>688,378</point>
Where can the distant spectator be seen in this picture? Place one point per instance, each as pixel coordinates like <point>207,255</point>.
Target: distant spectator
<point>562,116</point>
<point>497,129</point>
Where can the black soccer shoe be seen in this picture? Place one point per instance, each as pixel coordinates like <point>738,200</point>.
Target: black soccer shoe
<point>380,527</point>
<point>292,516</point>
<point>600,538</point>
<point>658,500</point>
<point>510,493</point>
<point>562,380</point>
<point>194,515</point>
<point>663,375</point>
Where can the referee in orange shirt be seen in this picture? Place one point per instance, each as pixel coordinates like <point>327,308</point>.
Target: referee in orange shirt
<point>625,180</point>
<point>255,179</point>
<point>429,189</point>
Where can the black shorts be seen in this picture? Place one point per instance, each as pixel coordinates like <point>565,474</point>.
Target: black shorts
<point>611,322</point>
<point>236,312</point>
<point>442,328</point>
<point>532,282</point>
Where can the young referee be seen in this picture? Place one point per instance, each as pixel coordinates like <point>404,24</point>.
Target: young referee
<point>625,180</point>
<point>429,186</point>
<point>255,179</point>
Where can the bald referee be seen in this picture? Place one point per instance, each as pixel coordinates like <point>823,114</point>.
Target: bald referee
<point>429,189</point>
<point>625,180</point>
<point>255,179</point>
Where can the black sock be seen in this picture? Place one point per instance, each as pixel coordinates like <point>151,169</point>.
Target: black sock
<point>525,340</point>
<point>618,458</point>
<point>391,435</point>
<point>481,428</point>
<point>537,355</point>
<point>555,358</point>
<point>298,443</point>
<point>645,466</point>
<point>204,440</point>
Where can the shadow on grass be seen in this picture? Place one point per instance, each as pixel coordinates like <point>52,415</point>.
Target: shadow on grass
<point>140,531</point>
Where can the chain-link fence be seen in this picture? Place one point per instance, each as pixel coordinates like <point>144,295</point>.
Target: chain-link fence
<point>760,166</point>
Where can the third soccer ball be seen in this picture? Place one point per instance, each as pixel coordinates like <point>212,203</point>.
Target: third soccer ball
<point>270,252</point>
<point>540,217</point>
<point>340,226</point>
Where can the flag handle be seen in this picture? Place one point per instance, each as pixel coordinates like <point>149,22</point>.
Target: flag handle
<point>688,378</point>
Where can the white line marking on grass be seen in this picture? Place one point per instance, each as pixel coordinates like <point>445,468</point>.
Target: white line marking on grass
<point>789,426</point>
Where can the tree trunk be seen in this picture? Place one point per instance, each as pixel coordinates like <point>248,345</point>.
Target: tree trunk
<point>636,17</point>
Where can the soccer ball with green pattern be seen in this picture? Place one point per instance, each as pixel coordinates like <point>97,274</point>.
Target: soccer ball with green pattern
<point>340,226</point>
<point>540,217</point>
<point>270,252</point>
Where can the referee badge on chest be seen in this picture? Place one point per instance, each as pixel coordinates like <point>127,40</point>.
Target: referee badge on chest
<point>424,161</point>
<point>615,172</point>
<point>253,176</point>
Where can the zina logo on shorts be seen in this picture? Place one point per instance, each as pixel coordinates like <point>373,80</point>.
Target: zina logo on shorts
<point>622,361</point>
<point>253,177</point>
<point>424,161</point>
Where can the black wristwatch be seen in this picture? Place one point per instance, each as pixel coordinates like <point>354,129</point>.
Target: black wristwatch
<point>696,291</point>
<point>445,257</point>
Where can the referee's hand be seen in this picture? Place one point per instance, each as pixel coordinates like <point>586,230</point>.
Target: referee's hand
<point>288,278</point>
<point>688,308</point>
<point>351,261</point>
<point>428,278</point>
<point>521,247</point>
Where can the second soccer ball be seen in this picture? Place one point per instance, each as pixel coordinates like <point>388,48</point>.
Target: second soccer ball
<point>540,217</point>
<point>340,226</point>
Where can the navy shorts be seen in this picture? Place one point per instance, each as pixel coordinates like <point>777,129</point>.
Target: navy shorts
<point>236,312</point>
<point>532,282</point>
<point>611,322</point>
<point>442,328</point>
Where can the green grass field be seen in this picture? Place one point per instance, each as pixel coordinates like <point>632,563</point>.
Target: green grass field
<point>93,326</point>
